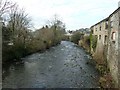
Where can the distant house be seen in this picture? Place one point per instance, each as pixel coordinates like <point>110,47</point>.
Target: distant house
<point>69,35</point>
<point>84,30</point>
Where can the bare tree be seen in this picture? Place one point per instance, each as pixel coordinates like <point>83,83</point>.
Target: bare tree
<point>5,6</point>
<point>56,23</point>
<point>19,22</point>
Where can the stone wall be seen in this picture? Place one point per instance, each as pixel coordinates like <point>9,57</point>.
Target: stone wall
<point>112,55</point>
<point>119,51</point>
<point>1,55</point>
<point>108,52</point>
<point>101,31</point>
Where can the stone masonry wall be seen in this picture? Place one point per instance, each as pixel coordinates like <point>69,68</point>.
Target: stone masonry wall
<point>112,56</point>
<point>109,53</point>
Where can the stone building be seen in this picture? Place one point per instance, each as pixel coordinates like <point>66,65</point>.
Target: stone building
<point>119,4</point>
<point>100,30</point>
<point>1,23</point>
<point>112,53</point>
<point>106,51</point>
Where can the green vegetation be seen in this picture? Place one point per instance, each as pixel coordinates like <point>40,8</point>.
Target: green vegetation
<point>76,37</point>
<point>85,43</point>
<point>93,41</point>
<point>19,40</point>
<point>37,41</point>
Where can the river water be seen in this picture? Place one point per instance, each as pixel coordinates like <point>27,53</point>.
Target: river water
<point>62,66</point>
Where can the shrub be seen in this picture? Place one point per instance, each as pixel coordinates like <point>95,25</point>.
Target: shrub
<point>93,41</point>
<point>85,43</point>
<point>76,37</point>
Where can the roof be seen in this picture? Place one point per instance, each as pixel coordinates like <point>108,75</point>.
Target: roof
<point>99,22</point>
<point>115,11</point>
<point>107,17</point>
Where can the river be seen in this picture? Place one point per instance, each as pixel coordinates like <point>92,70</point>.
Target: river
<point>62,66</point>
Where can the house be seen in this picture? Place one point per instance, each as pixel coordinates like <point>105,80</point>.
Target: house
<point>112,53</point>
<point>107,48</point>
<point>100,31</point>
<point>119,4</point>
<point>1,25</point>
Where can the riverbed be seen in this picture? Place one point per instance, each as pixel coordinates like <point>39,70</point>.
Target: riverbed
<point>62,66</point>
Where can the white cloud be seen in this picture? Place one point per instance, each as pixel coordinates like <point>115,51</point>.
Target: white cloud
<point>75,13</point>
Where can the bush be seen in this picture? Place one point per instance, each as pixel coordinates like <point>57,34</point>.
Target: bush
<point>76,37</point>
<point>66,38</point>
<point>94,44</point>
<point>13,52</point>
<point>93,41</point>
<point>106,81</point>
<point>85,43</point>
<point>30,42</point>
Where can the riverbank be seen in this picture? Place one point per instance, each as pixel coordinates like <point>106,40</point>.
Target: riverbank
<point>14,48</point>
<point>89,44</point>
<point>62,66</point>
<point>105,80</point>
<point>6,65</point>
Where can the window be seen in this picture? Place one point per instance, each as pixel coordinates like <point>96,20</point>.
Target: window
<point>113,36</point>
<point>119,20</point>
<point>111,24</point>
<point>106,25</point>
<point>105,39</point>
<point>96,29</point>
<point>100,28</point>
<point>92,31</point>
<point>99,36</point>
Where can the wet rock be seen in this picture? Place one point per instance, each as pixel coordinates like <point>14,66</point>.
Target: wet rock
<point>63,70</point>
<point>63,83</point>
<point>22,62</point>
<point>50,67</point>
<point>12,68</point>
<point>92,76</point>
<point>64,63</point>
<point>3,71</point>
<point>42,73</point>
<point>17,63</point>
<point>56,74</point>
<point>80,67</point>
<point>73,72</point>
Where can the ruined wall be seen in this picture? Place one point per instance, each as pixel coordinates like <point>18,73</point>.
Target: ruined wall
<point>1,55</point>
<point>119,51</point>
<point>112,55</point>
<point>101,31</point>
<point>108,48</point>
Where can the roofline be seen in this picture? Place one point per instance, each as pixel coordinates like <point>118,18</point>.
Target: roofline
<point>107,17</point>
<point>100,22</point>
<point>115,11</point>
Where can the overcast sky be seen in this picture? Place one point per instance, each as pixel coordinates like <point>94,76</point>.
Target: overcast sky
<point>75,14</point>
